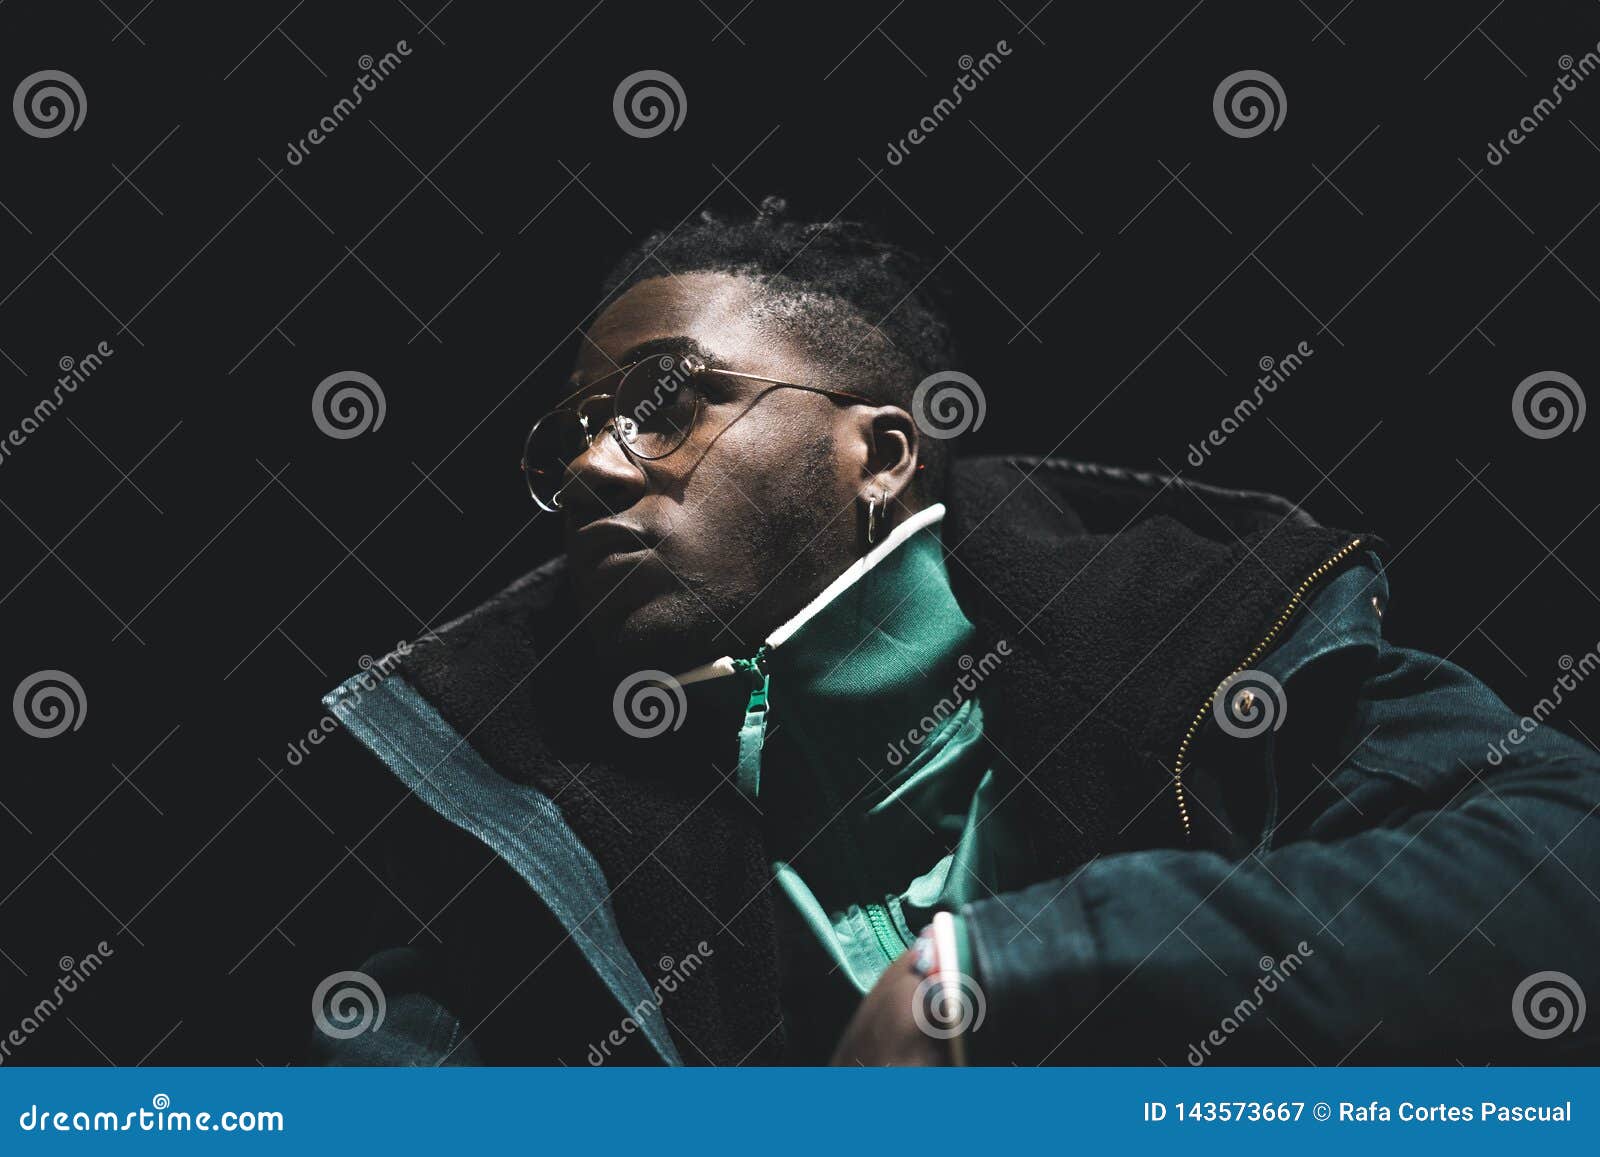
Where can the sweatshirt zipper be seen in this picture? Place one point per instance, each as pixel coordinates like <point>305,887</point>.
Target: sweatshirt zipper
<point>883,928</point>
<point>752,738</point>
<point>753,733</point>
<point>1181,763</point>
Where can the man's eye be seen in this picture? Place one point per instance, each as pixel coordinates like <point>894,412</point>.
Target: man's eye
<point>674,398</point>
<point>671,414</point>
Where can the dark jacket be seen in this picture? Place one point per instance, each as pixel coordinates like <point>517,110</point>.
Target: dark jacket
<point>1321,863</point>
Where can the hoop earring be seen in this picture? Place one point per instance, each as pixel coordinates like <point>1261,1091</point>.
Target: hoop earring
<point>872,520</point>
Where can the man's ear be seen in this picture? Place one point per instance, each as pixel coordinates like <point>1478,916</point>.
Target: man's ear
<point>890,449</point>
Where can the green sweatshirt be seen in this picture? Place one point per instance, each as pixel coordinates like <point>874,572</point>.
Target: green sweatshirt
<point>863,750</point>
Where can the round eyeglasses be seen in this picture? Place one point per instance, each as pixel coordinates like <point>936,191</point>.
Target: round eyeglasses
<point>651,410</point>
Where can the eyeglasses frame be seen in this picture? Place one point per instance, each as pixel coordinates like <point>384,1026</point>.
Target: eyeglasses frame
<point>694,366</point>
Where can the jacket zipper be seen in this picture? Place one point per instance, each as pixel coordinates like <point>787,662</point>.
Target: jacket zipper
<point>1289,609</point>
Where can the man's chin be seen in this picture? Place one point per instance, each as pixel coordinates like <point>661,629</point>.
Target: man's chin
<point>660,631</point>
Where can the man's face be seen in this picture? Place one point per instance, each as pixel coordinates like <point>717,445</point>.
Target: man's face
<point>704,552</point>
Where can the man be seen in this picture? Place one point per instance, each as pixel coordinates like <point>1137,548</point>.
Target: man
<point>816,744</point>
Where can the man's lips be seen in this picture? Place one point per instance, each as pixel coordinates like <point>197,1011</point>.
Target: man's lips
<point>607,541</point>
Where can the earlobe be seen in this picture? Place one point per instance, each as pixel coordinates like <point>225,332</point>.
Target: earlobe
<point>891,452</point>
<point>888,468</point>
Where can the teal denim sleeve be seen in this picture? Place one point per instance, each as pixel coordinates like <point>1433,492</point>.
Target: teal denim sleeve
<point>1391,918</point>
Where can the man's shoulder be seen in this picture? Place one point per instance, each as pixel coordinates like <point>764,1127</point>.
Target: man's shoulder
<point>1413,716</point>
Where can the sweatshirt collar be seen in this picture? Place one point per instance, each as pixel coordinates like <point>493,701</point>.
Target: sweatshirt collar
<point>848,578</point>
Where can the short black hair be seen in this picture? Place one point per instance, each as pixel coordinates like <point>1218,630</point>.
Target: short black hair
<point>851,297</point>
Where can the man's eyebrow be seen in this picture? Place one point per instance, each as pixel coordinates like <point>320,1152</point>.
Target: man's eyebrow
<point>677,345</point>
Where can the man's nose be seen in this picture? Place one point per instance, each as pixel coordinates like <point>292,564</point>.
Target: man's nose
<point>602,480</point>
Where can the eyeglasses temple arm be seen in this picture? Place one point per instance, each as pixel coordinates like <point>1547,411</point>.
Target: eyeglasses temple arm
<point>797,386</point>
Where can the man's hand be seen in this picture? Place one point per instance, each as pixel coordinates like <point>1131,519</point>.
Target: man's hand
<point>884,1031</point>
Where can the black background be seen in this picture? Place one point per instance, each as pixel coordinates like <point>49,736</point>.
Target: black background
<point>184,541</point>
